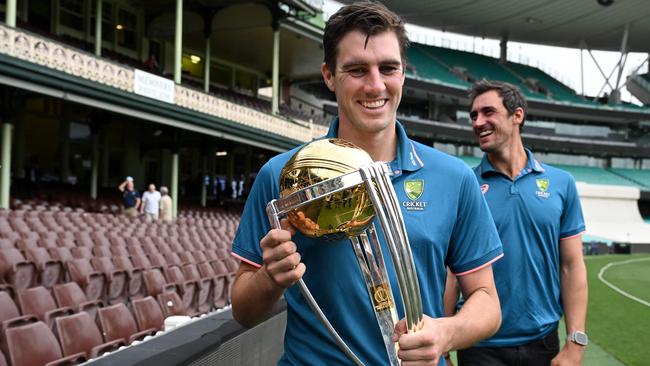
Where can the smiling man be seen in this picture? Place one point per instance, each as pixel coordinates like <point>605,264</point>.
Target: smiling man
<point>537,212</point>
<point>447,220</point>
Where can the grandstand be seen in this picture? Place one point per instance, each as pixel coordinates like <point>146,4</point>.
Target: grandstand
<point>82,106</point>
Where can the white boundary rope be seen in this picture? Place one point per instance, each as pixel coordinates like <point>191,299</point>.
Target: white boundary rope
<point>608,284</point>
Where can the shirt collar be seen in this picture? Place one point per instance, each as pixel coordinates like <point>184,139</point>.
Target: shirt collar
<point>407,156</point>
<point>532,164</point>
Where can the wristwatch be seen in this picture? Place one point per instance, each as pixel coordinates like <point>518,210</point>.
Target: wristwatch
<point>578,337</point>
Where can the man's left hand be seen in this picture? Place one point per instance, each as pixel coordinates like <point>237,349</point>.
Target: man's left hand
<point>425,346</point>
<point>570,355</point>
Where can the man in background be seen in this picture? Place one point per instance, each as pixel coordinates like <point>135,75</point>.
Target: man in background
<point>537,212</point>
<point>150,203</point>
<point>165,205</point>
<point>130,198</point>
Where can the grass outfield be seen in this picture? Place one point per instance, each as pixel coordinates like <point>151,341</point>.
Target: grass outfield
<point>620,325</point>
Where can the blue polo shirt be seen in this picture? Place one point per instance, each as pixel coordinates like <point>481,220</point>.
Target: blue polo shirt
<point>130,198</point>
<point>532,214</point>
<point>448,223</point>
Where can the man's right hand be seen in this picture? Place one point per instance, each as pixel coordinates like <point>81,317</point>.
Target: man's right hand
<point>281,258</point>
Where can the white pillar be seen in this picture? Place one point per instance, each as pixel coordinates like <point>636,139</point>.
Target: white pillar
<point>94,173</point>
<point>5,167</point>
<point>206,66</point>
<point>10,13</point>
<point>178,43</point>
<point>98,28</point>
<point>275,102</point>
<point>174,184</point>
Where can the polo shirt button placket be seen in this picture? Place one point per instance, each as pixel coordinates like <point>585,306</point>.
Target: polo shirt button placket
<point>513,189</point>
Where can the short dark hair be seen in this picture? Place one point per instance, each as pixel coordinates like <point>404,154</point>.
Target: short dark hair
<point>511,95</point>
<point>368,17</point>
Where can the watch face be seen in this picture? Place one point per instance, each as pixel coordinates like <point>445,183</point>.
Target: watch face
<point>580,338</point>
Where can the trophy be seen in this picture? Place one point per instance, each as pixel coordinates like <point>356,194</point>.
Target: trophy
<point>330,189</point>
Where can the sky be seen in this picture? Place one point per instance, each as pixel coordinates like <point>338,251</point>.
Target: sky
<point>559,62</point>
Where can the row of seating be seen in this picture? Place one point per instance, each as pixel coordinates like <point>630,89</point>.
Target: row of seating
<point>119,278</point>
<point>35,331</point>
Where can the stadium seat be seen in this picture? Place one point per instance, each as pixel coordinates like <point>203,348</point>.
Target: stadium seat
<point>157,260</point>
<point>6,243</point>
<point>71,295</point>
<point>148,313</point>
<point>117,322</point>
<point>50,271</point>
<point>9,313</point>
<point>34,344</point>
<point>82,252</point>
<point>171,304</point>
<point>219,284</point>
<point>136,250</point>
<point>62,254</point>
<point>16,270</point>
<point>203,300</point>
<point>199,256</point>
<point>187,289</point>
<point>134,275</point>
<point>220,269</point>
<point>173,259</point>
<point>78,333</point>
<point>39,302</point>
<point>155,282</point>
<point>91,281</point>
<point>102,251</point>
<point>118,250</point>
<point>117,280</point>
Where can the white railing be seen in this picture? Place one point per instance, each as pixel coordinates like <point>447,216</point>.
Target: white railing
<point>57,56</point>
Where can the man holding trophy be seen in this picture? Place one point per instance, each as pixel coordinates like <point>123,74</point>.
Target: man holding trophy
<point>430,208</point>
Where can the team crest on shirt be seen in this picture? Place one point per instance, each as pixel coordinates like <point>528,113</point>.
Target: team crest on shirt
<point>414,189</point>
<point>485,188</point>
<point>542,188</point>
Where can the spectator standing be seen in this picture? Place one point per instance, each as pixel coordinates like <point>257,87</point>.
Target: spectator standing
<point>131,198</point>
<point>150,203</point>
<point>165,205</point>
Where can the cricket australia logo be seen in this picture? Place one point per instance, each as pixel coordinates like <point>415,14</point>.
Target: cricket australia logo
<point>413,189</point>
<point>542,188</point>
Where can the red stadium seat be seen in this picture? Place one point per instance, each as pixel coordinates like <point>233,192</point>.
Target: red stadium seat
<point>188,290</point>
<point>39,302</point>
<point>148,313</point>
<point>117,280</point>
<point>81,252</point>
<point>71,295</point>
<point>92,281</point>
<point>35,345</point>
<point>62,254</point>
<point>50,271</point>
<point>134,275</point>
<point>171,304</point>
<point>203,300</point>
<point>9,313</point>
<point>78,333</point>
<point>117,322</point>
<point>156,283</point>
<point>173,259</point>
<point>157,260</point>
<point>16,270</point>
<point>102,251</point>
<point>220,284</point>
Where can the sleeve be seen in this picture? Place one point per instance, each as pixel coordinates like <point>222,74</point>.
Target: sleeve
<point>475,241</point>
<point>572,222</point>
<point>254,224</point>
